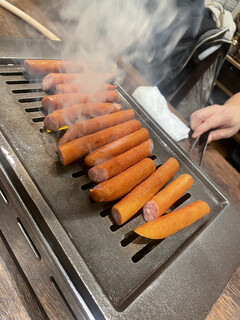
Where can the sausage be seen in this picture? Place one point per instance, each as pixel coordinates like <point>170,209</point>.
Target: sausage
<point>42,67</point>
<point>166,197</point>
<point>116,165</point>
<point>59,101</point>
<point>116,147</point>
<point>66,116</point>
<point>123,183</point>
<point>51,80</point>
<point>88,126</point>
<point>78,148</point>
<point>75,87</point>
<point>131,203</point>
<point>174,221</point>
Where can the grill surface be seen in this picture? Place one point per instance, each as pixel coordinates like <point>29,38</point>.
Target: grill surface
<point>121,263</point>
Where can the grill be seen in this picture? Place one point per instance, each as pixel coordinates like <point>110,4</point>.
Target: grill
<point>96,268</point>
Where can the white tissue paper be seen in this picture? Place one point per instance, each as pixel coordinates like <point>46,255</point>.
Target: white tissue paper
<point>155,104</point>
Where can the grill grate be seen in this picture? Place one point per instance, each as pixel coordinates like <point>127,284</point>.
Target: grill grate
<point>121,262</point>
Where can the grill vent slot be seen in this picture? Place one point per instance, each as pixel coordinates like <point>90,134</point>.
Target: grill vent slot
<point>79,173</point>
<point>130,237</point>
<point>144,251</point>
<point>41,119</point>
<point>34,109</point>
<point>28,238</point>
<point>10,74</point>
<point>11,82</point>
<point>24,100</point>
<point>153,157</point>
<point>27,90</point>
<point>88,185</point>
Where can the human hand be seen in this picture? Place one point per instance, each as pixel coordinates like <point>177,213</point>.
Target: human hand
<point>224,121</point>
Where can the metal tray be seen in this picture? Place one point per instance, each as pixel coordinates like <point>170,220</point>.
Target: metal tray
<point>113,270</point>
<point>122,264</point>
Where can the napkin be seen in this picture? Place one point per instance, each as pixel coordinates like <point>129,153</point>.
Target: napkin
<point>151,99</point>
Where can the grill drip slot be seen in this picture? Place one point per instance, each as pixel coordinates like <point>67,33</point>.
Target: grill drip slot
<point>3,196</point>
<point>40,119</point>
<point>29,240</point>
<point>27,90</point>
<point>27,100</point>
<point>61,296</point>
<point>12,82</point>
<point>88,185</point>
<point>144,251</point>
<point>11,74</point>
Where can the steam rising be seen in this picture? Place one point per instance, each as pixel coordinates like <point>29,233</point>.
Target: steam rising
<point>140,31</point>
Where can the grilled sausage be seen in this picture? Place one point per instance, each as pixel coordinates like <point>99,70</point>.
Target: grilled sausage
<point>89,126</point>
<point>131,203</point>
<point>42,67</point>
<point>51,80</point>
<point>59,101</point>
<point>124,182</point>
<point>174,221</point>
<point>77,88</point>
<point>78,148</point>
<point>116,147</point>
<point>116,165</point>
<point>59,118</point>
<point>166,197</point>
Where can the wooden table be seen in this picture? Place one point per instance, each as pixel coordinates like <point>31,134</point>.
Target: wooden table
<point>17,301</point>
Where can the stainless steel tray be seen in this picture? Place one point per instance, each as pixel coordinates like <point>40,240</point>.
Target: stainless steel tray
<point>118,275</point>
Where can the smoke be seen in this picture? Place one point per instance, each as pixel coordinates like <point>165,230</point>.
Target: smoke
<point>142,32</point>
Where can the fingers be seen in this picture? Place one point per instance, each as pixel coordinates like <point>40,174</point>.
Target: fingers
<point>202,115</point>
<point>216,120</point>
<point>220,134</point>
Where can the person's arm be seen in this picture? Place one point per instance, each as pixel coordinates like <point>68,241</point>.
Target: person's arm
<point>224,121</point>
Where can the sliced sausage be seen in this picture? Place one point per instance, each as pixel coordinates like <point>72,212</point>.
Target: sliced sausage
<point>174,221</point>
<point>167,197</point>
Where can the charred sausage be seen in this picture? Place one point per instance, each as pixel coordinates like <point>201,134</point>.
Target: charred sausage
<point>59,101</point>
<point>88,126</point>
<point>68,116</point>
<point>78,148</point>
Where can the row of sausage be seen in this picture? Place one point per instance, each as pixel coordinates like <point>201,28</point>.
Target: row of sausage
<point>116,149</point>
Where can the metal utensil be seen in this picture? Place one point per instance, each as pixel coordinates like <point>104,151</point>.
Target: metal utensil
<point>202,145</point>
